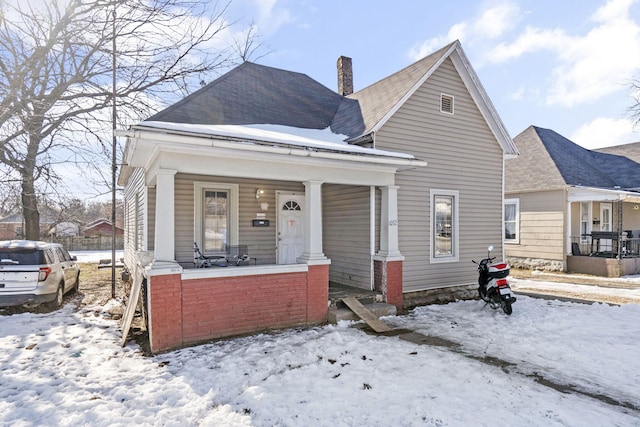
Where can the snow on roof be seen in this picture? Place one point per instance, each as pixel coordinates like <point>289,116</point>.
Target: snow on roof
<point>322,139</point>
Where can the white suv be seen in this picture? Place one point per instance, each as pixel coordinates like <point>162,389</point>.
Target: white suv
<point>34,272</point>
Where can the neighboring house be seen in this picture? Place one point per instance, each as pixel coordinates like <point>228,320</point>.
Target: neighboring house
<point>12,226</point>
<point>571,209</point>
<point>631,151</point>
<point>65,229</point>
<point>101,227</point>
<point>394,188</point>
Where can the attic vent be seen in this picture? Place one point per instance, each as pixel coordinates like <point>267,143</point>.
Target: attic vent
<point>446,103</point>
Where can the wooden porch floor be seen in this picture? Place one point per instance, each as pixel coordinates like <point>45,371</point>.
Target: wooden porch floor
<point>338,291</point>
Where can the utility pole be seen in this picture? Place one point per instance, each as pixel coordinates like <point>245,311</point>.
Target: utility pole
<point>113,161</point>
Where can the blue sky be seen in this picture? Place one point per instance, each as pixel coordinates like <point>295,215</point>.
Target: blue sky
<point>563,65</point>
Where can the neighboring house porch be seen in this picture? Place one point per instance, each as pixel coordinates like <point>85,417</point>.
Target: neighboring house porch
<point>604,232</point>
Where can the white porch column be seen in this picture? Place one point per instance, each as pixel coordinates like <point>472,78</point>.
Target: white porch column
<point>312,224</point>
<point>389,222</point>
<point>567,233</point>
<point>165,217</point>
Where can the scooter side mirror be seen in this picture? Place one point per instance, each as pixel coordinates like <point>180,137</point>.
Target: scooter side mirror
<point>490,248</point>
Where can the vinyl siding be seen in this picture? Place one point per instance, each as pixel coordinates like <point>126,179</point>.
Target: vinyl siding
<point>463,155</point>
<point>346,234</point>
<point>151,215</point>
<point>542,225</point>
<point>261,241</point>
<point>134,217</point>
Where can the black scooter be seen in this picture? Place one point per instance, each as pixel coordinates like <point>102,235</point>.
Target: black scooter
<point>493,286</point>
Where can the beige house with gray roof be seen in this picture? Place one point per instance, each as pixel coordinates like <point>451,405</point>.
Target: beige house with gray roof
<point>571,209</point>
<point>387,192</point>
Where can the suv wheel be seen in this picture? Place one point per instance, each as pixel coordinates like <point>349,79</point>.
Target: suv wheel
<point>56,303</point>
<point>76,287</point>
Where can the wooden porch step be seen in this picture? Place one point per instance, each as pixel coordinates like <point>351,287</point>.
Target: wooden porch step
<point>368,312</point>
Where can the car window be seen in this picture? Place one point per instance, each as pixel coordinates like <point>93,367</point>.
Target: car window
<point>60,254</point>
<point>65,254</point>
<point>22,256</point>
<point>48,254</point>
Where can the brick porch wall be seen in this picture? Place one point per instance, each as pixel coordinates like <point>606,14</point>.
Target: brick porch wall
<point>165,320</point>
<point>197,310</point>
<point>317,293</point>
<point>387,278</point>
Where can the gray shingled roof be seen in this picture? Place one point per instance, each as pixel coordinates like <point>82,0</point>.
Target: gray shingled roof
<point>550,161</point>
<point>632,151</point>
<point>257,94</point>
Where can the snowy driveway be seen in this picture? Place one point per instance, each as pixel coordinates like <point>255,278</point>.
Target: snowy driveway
<point>66,369</point>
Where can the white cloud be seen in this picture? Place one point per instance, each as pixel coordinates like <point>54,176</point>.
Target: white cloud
<point>589,66</point>
<point>605,132</point>
<point>521,92</point>
<point>490,23</point>
<point>271,16</point>
<point>496,20</point>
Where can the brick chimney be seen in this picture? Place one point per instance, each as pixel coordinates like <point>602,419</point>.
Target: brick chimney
<point>345,76</point>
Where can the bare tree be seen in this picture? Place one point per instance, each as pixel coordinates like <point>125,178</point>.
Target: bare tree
<point>247,45</point>
<point>634,110</point>
<point>55,76</point>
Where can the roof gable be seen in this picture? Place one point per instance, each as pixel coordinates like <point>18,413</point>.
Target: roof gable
<point>379,101</point>
<point>256,94</point>
<point>550,161</point>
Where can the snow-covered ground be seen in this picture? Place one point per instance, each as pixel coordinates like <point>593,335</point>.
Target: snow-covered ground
<point>66,368</point>
<point>95,256</point>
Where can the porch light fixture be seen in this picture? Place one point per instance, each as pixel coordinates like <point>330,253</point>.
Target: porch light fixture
<point>259,193</point>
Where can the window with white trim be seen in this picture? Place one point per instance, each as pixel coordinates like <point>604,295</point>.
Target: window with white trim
<point>511,220</point>
<point>446,103</point>
<point>444,226</point>
<point>215,216</point>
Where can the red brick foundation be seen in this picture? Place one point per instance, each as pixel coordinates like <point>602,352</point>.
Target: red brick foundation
<point>317,293</point>
<point>388,280</point>
<point>165,320</point>
<point>184,312</point>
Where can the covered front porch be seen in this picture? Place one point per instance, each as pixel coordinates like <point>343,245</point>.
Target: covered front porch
<point>305,217</point>
<point>604,232</point>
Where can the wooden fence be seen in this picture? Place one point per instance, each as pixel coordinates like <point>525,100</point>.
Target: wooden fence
<point>89,243</point>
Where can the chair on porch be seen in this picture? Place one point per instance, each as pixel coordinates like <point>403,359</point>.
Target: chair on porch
<point>575,249</point>
<point>239,254</point>
<point>202,261</point>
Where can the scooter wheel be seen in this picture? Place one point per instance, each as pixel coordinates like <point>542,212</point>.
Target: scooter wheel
<point>483,294</point>
<point>506,306</point>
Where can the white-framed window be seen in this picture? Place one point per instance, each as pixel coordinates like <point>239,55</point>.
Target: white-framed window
<point>446,103</point>
<point>444,242</point>
<point>585,221</point>
<point>215,216</point>
<point>512,220</point>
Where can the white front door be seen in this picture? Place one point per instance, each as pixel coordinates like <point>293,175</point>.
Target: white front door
<point>606,225</point>
<point>290,227</point>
